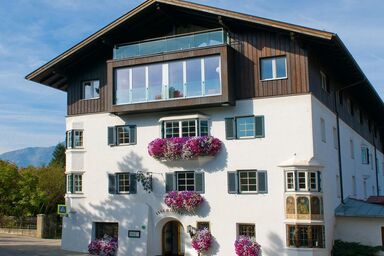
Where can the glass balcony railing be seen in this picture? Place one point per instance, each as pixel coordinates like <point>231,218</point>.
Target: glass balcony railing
<point>170,44</point>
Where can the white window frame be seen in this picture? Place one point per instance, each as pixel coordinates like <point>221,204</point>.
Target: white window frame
<point>293,180</point>
<point>118,128</point>
<point>256,184</point>
<point>77,178</point>
<point>185,173</point>
<point>237,125</point>
<point>316,181</point>
<point>366,154</point>
<point>305,178</point>
<point>324,82</point>
<point>80,138</point>
<point>274,68</point>
<point>180,122</point>
<point>92,85</point>
<point>118,182</point>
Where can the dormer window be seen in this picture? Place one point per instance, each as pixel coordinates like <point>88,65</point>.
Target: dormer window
<point>184,126</point>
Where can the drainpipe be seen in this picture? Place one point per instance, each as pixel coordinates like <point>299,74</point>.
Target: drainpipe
<point>376,167</point>
<point>338,135</point>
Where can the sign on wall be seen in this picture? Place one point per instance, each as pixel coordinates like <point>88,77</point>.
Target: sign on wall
<point>61,209</point>
<point>134,233</point>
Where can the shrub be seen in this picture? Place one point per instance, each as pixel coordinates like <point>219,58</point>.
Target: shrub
<point>341,248</point>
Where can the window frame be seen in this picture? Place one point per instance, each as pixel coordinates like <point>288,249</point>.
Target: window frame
<point>118,191</point>
<point>203,224</point>
<point>248,184</point>
<point>365,156</point>
<point>307,176</point>
<point>324,82</point>
<point>115,229</point>
<point>71,139</point>
<point>323,130</point>
<point>71,178</point>
<point>296,243</point>
<point>274,68</point>
<point>186,184</point>
<point>257,191</point>
<point>180,127</point>
<point>92,81</point>
<point>236,127</point>
<point>246,226</point>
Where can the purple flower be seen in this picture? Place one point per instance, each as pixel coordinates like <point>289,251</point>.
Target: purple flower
<point>184,148</point>
<point>183,200</point>
<point>107,246</point>
<point>245,246</point>
<point>202,241</point>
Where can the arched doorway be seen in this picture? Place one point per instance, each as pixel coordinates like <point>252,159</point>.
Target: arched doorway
<point>171,238</point>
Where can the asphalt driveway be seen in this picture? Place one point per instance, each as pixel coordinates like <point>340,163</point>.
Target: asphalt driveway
<point>11,245</point>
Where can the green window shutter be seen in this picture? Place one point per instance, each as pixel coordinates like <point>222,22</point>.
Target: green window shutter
<point>262,182</point>
<point>162,130</point>
<point>319,181</point>
<point>132,183</point>
<point>66,139</point>
<point>259,127</point>
<point>232,183</point>
<point>132,134</point>
<point>70,182</point>
<point>112,184</point>
<point>199,182</point>
<point>66,183</point>
<point>169,182</point>
<point>230,129</point>
<point>111,135</point>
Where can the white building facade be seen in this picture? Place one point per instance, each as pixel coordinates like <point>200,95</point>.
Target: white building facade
<point>278,176</point>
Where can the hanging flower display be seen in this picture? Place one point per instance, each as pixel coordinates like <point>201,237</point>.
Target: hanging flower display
<point>184,148</point>
<point>107,246</point>
<point>183,200</point>
<point>202,240</point>
<point>246,246</point>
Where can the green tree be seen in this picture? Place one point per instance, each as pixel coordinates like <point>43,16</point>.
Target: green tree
<point>58,157</point>
<point>9,188</point>
<point>30,195</point>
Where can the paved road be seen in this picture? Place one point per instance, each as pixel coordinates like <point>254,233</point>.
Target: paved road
<point>11,245</point>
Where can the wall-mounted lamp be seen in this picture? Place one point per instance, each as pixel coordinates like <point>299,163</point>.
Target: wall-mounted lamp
<point>191,230</point>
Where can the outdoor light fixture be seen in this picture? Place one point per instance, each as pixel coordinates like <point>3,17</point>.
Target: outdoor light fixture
<point>191,230</point>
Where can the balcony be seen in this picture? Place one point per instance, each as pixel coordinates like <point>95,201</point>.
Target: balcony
<point>191,78</point>
<point>170,44</point>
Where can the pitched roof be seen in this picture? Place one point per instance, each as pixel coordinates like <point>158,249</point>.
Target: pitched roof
<point>358,208</point>
<point>184,4</point>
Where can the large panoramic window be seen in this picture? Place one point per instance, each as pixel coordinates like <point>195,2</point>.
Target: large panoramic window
<point>273,68</point>
<point>195,77</point>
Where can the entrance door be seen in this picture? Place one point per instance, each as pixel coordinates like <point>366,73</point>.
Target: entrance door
<point>171,239</point>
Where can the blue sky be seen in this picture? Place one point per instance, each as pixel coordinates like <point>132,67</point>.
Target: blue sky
<point>33,32</point>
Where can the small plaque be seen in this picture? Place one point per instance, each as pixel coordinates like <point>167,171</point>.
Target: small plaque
<point>61,209</point>
<point>134,233</point>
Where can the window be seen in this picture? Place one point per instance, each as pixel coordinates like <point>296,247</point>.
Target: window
<point>74,183</point>
<point>302,181</point>
<point>324,82</point>
<point>202,225</point>
<point>364,155</point>
<point>185,181</point>
<point>322,130</point>
<point>244,127</point>
<point>122,183</point>
<point>185,128</point>
<point>91,89</point>
<point>247,181</point>
<point>273,68</point>
<point>105,228</point>
<point>309,236</point>
<point>246,230</point>
<point>352,148</point>
<point>335,142</point>
<point>365,189</point>
<point>122,135</point>
<point>194,77</point>
<point>74,139</point>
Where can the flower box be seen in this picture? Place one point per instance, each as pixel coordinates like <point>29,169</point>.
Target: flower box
<point>187,201</point>
<point>184,148</point>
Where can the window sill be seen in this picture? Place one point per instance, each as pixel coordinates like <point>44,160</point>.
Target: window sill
<point>75,195</point>
<point>274,79</point>
<point>95,98</point>
<point>75,150</point>
<point>304,249</point>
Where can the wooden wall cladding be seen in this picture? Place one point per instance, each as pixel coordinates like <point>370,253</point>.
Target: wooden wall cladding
<point>250,47</point>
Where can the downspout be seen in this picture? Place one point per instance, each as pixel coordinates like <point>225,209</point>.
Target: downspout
<point>338,135</point>
<point>376,167</point>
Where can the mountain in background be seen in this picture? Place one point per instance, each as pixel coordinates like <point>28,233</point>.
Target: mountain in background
<point>36,156</point>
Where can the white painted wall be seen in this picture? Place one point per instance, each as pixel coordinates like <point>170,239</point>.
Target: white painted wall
<point>291,127</point>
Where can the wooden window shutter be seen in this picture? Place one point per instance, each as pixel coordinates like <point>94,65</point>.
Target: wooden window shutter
<point>232,183</point>
<point>111,135</point>
<point>72,138</point>
<point>66,140</point>
<point>259,127</point>
<point>132,134</point>
<point>319,181</point>
<point>162,129</point>
<point>132,183</point>
<point>112,184</point>
<point>169,182</point>
<point>199,182</point>
<point>230,129</point>
<point>262,182</point>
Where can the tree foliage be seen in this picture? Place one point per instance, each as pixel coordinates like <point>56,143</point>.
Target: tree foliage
<point>32,190</point>
<point>341,248</point>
